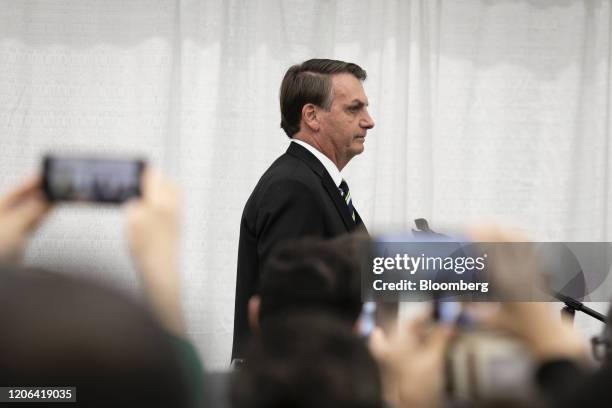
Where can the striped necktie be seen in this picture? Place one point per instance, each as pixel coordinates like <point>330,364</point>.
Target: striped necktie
<point>346,194</point>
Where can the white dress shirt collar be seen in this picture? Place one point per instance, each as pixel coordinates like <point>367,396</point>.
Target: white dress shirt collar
<point>325,161</point>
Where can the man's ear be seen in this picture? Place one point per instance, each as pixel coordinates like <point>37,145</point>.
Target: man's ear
<point>309,117</point>
<point>254,303</point>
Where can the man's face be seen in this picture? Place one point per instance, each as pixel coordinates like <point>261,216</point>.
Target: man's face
<point>345,125</point>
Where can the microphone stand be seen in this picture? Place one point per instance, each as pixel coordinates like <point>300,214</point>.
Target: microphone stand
<point>572,306</point>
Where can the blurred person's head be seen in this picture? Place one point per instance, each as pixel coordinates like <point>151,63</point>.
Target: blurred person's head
<point>307,360</point>
<point>63,331</point>
<point>531,402</point>
<point>311,275</point>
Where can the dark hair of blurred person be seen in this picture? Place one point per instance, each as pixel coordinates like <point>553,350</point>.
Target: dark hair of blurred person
<point>311,275</point>
<point>63,331</point>
<point>507,402</point>
<point>307,360</point>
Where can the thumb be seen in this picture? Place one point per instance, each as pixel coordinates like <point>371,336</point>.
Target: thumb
<point>30,212</point>
<point>378,344</point>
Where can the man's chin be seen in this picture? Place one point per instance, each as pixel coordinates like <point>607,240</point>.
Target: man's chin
<point>358,146</point>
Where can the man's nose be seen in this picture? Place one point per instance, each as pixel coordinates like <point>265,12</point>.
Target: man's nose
<point>367,121</point>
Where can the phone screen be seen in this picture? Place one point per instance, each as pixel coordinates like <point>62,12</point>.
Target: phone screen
<point>447,311</point>
<point>367,319</point>
<point>453,312</point>
<point>91,179</point>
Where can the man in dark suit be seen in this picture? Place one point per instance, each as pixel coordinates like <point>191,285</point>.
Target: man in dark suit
<point>324,112</point>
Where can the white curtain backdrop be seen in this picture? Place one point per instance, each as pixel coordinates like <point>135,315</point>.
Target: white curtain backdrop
<point>483,108</point>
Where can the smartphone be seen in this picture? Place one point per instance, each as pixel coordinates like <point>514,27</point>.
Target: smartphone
<point>452,312</point>
<point>446,311</point>
<point>99,180</point>
<point>367,319</point>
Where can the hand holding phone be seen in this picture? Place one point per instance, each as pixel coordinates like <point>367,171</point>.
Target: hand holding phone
<point>21,211</point>
<point>153,229</point>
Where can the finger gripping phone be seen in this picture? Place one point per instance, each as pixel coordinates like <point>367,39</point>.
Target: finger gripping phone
<point>99,180</point>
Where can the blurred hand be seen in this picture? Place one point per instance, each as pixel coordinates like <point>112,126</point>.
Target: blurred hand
<point>412,362</point>
<point>153,229</point>
<point>546,335</point>
<point>21,211</point>
<point>536,324</point>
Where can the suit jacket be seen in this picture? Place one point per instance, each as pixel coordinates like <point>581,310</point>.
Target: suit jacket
<point>295,198</point>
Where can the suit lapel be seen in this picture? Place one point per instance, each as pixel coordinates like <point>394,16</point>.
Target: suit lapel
<point>314,163</point>
<point>359,223</point>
